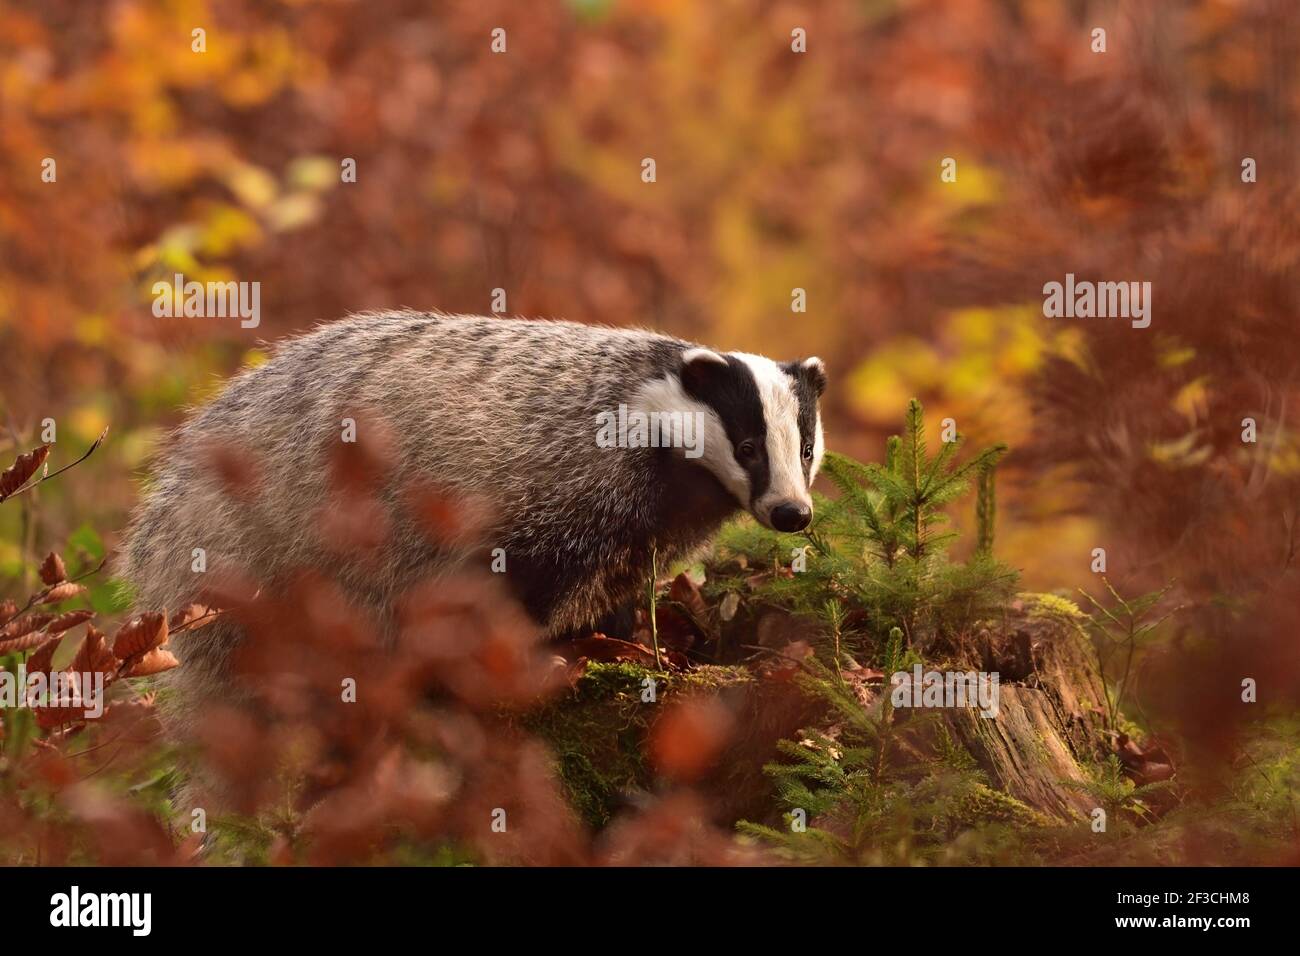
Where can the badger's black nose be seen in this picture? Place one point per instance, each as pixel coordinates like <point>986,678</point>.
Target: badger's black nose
<point>791,516</point>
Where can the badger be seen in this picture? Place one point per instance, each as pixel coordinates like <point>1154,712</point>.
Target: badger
<point>509,412</point>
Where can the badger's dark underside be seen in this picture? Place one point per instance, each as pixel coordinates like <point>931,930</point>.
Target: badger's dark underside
<point>689,507</point>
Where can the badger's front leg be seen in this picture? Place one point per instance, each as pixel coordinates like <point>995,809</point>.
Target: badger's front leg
<point>620,622</point>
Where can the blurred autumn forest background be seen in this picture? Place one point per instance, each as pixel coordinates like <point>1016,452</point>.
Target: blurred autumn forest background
<point>776,170</point>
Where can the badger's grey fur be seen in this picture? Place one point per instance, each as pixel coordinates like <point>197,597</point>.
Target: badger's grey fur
<point>504,410</point>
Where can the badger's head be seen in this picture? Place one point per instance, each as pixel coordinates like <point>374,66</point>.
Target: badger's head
<point>762,431</point>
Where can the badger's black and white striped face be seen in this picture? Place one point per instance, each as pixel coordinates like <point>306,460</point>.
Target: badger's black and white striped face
<point>762,433</point>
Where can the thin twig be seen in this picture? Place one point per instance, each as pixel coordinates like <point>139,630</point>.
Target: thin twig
<point>32,484</point>
<point>654,621</point>
<point>36,598</point>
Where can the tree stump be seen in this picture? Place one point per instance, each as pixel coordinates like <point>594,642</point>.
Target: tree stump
<point>1049,727</point>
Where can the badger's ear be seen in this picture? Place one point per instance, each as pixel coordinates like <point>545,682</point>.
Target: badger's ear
<point>815,371</point>
<point>699,367</point>
<point>810,370</point>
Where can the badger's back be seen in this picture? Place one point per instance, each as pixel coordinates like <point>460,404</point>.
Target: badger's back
<point>503,410</point>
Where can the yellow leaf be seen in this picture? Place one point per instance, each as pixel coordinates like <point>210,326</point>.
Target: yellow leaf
<point>252,185</point>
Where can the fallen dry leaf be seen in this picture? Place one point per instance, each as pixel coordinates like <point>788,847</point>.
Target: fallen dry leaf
<point>686,593</point>
<point>677,630</point>
<point>604,650</point>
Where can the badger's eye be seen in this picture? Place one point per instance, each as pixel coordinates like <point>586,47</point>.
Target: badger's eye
<point>807,452</point>
<point>746,449</point>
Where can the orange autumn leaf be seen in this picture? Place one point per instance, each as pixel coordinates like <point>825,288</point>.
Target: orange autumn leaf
<point>41,660</point>
<point>25,625</point>
<point>24,466</point>
<point>140,635</point>
<point>47,718</point>
<point>154,662</point>
<point>234,467</point>
<point>65,622</point>
<point>446,516</point>
<point>686,741</point>
<point>94,657</point>
<point>62,592</point>
<point>192,617</point>
<point>23,643</point>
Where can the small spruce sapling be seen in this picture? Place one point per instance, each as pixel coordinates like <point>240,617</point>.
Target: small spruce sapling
<point>879,547</point>
<point>1120,631</point>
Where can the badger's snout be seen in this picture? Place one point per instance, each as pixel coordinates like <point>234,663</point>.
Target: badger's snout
<point>791,516</point>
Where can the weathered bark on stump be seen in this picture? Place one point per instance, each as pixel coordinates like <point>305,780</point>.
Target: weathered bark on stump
<point>1050,723</point>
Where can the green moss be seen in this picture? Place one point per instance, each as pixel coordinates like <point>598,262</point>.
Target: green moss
<point>597,730</point>
<point>983,804</point>
<point>1051,605</point>
<point>600,681</point>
